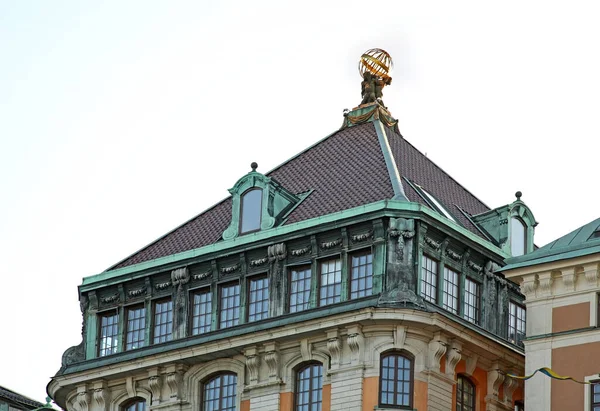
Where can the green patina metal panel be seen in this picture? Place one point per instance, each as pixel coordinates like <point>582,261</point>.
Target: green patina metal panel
<point>91,336</point>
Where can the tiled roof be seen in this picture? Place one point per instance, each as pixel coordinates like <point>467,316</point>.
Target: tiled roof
<point>345,170</point>
<point>9,395</point>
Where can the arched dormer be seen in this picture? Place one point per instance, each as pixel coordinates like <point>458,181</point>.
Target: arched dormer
<point>259,203</point>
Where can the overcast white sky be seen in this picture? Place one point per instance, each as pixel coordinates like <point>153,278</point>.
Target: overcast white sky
<point>121,119</point>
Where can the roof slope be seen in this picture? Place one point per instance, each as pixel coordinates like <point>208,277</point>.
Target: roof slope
<point>582,241</point>
<point>18,398</point>
<point>345,170</point>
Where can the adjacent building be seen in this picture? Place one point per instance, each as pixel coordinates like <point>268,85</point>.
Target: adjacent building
<point>13,401</point>
<point>357,275</point>
<point>560,283</point>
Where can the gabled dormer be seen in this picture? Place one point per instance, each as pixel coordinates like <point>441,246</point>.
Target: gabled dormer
<point>510,226</point>
<point>259,203</point>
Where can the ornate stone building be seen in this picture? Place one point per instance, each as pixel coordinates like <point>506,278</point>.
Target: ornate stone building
<point>560,282</point>
<point>357,275</point>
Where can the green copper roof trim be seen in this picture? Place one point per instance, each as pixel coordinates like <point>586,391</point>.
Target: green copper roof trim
<point>579,251</point>
<point>386,207</point>
<point>390,162</point>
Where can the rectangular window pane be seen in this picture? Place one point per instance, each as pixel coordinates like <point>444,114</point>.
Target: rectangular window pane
<point>300,289</point>
<point>516,323</point>
<point>429,271</point>
<point>450,291</point>
<point>230,305</point>
<point>163,321</point>
<point>109,333</point>
<point>259,299</point>
<point>136,327</point>
<point>331,282</point>
<point>471,304</point>
<point>201,311</point>
<point>361,276</point>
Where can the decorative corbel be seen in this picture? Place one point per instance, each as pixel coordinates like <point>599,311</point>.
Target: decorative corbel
<point>252,363</point>
<point>101,395</point>
<point>356,343</point>
<point>568,278</point>
<point>306,349</point>
<point>334,346</point>
<point>453,356</point>
<point>130,387</point>
<point>83,398</point>
<point>495,377</point>
<point>174,378</point>
<point>400,332</point>
<point>591,274</point>
<point>155,383</point>
<point>529,284</point>
<point>272,360</point>
<point>470,364</point>
<point>510,385</point>
<point>545,281</point>
<point>437,349</point>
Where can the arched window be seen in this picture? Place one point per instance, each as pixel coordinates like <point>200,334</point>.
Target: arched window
<point>219,393</point>
<point>136,404</point>
<point>309,387</point>
<point>396,380</point>
<point>251,211</point>
<point>518,237</point>
<point>465,394</point>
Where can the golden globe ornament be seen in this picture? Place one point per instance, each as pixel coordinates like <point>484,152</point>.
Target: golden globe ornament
<point>377,62</point>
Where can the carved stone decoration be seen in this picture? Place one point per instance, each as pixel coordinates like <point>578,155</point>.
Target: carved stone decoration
<point>453,356</point>
<point>545,282</point>
<point>454,255</point>
<point>529,285</point>
<point>83,399</point>
<point>510,385</point>
<point>110,299</point>
<point>355,341</point>
<point>276,253</point>
<point>473,266</point>
<point>327,245</point>
<point>503,308</point>
<point>258,262</point>
<point>179,278</point>
<point>162,286</point>
<point>101,398</point>
<point>137,293</point>
<point>400,332</point>
<point>155,385</point>
<point>568,278</point>
<point>432,243</point>
<point>272,359</point>
<point>174,381</point>
<point>470,364</point>
<point>301,251</point>
<point>359,238</point>
<point>230,269</point>
<point>202,276</point>
<point>252,364</point>
<point>495,377</point>
<point>490,297</point>
<point>306,349</point>
<point>77,353</point>
<point>130,386</point>
<point>436,350</point>
<point>334,346</point>
<point>401,284</point>
<point>591,274</point>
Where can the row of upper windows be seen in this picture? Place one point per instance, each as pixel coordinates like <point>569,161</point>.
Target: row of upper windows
<point>228,303</point>
<point>471,304</point>
<point>396,388</point>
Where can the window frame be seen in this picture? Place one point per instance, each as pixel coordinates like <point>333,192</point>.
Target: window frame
<point>114,348</point>
<point>447,295</point>
<point>517,341</point>
<point>594,383</point>
<point>320,263</point>
<point>411,393</point>
<point>468,407</point>
<point>306,281</point>
<point>512,235</point>
<point>220,287</point>
<point>128,309</point>
<point>298,370</point>
<point>351,256</point>
<point>213,377</point>
<point>241,216</point>
<point>250,279</point>
<point>193,293</point>
<point>134,402</point>
<point>434,284</point>
<point>169,337</point>
<point>477,307</point>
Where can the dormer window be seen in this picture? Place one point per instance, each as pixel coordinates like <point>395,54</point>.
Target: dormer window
<point>518,236</point>
<point>251,211</point>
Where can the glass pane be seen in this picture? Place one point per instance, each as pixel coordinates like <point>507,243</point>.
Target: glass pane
<point>251,210</point>
<point>517,238</point>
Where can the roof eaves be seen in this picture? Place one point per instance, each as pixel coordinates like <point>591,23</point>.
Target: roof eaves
<point>564,253</point>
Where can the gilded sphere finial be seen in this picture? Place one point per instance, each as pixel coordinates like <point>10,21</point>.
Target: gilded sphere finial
<point>377,62</point>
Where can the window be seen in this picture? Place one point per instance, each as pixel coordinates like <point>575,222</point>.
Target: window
<point>516,323</point>
<point>331,282</point>
<point>219,393</point>
<point>361,275</point>
<point>251,211</point>
<point>595,390</point>
<point>396,381</point>
<point>309,388</point>
<point>230,306</point>
<point>163,321</point>
<point>429,279</point>
<point>450,292</point>
<point>299,289</point>
<point>109,334</point>
<point>137,405</point>
<point>437,204</point>
<point>259,299</point>
<point>136,328</point>
<point>201,311</point>
<point>519,406</point>
<point>518,237</point>
<point>465,394</point>
<point>471,305</point>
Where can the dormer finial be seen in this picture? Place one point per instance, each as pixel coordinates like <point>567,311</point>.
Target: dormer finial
<point>254,165</point>
<point>518,194</point>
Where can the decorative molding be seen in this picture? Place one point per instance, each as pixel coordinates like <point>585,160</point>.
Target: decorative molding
<point>306,349</point>
<point>453,255</point>
<point>83,400</point>
<point>230,269</point>
<point>136,293</point>
<point>473,266</point>
<point>180,276</point>
<point>495,377</point>
<point>110,299</point>
<point>174,381</point>
<point>358,238</point>
<point>101,397</point>
<point>400,332</point>
<point>252,363</point>
<point>453,356</point>
<point>202,276</point>
<point>334,346</point>
<point>436,349</point>
<point>510,385</point>
<point>155,385</point>
<point>162,286</point>
<point>432,243</point>
<point>301,251</point>
<point>529,284</point>
<point>130,387</point>
<point>259,261</point>
<point>272,359</point>
<point>545,282</point>
<point>470,364</point>
<point>327,245</point>
<point>569,277</point>
<point>355,343</point>
<point>276,252</point>
<point>591,274</point>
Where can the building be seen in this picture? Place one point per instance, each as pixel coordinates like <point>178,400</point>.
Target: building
<point>357,275</point>
<point>12,401</point>
<point>560,283</point>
